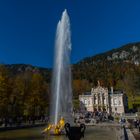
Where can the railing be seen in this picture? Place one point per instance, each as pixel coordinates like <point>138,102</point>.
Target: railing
<point>130,115</point>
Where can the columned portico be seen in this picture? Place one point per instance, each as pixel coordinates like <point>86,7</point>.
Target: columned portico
<point>100,96</point>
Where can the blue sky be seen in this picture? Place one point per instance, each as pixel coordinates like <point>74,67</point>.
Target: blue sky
<point>27,28</point>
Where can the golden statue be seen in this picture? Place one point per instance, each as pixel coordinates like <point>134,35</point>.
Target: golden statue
<point>55,129</point>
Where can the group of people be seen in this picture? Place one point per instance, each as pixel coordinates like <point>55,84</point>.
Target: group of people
<point>22,120</point>
<point>93,117</point>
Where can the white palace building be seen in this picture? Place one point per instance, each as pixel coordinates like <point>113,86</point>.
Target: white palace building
<point>101,99</point>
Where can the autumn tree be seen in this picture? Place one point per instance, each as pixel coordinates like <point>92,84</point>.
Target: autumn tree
<point>4,92</point>
<point>80,86</point>
<point>20,93</point>
<point>36,99</point>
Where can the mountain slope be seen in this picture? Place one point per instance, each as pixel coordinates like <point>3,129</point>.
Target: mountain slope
<point>119,68</point>
<point>16,69</point>
<point>127,53</point>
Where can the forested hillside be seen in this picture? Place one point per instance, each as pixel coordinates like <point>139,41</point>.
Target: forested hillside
<point>25,89</point>
<point>119,68</point>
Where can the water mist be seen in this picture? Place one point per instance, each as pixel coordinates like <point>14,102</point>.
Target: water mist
<point>61,102</point>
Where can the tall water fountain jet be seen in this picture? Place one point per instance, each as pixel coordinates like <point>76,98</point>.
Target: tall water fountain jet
<point>61,102</point>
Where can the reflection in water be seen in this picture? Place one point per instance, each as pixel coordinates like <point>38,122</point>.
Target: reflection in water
<point>95,133</point>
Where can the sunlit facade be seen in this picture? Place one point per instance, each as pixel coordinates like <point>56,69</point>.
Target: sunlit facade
<point>101,99</point>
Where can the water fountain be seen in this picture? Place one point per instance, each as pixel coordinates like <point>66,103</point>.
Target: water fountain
<point>61,101</point>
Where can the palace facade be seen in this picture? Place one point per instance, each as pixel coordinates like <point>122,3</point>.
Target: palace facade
<point>101,99</point>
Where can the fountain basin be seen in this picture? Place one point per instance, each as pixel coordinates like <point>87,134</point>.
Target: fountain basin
<point>91,133</point>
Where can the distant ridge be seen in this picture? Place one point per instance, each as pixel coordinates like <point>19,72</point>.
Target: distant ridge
<point>15,69</point>
<point>127,53</point>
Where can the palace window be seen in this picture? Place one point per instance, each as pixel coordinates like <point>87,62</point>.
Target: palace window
<point>86,102</point>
